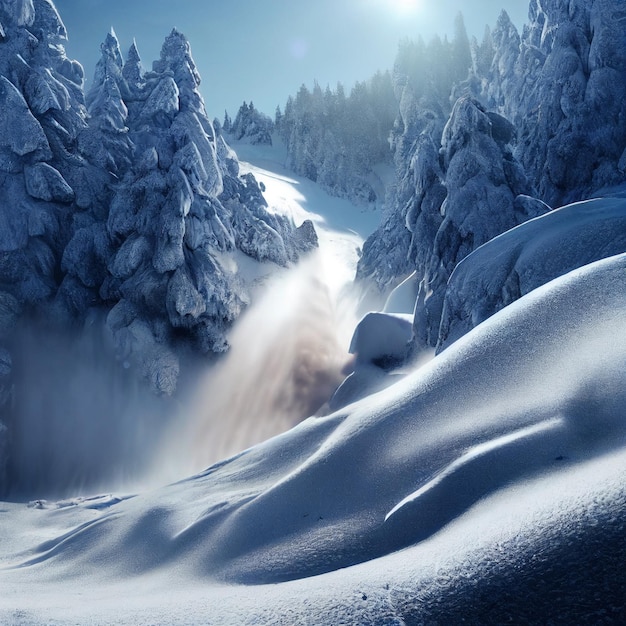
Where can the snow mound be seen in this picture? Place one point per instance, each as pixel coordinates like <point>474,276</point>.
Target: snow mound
<point>380,344</point>
<point>382,336</point>
<point>402,298</point>
<point>530,255</point>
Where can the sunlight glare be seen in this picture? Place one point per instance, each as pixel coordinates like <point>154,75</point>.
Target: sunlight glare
<point>404,7</point>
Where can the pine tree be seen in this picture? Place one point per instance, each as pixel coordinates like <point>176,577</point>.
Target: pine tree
<point>42,112</point>
<point>228,124</point>
<point>461,51</point>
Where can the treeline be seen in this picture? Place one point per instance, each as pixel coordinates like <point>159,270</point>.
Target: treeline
<point>250,125</point>
<point>424,76</point>
<point>336,139</point>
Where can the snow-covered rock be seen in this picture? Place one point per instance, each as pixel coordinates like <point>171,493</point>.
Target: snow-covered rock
<point>526,257</point>
<point>380,343</point>
<point>402,299</point>
<point>382,339</point>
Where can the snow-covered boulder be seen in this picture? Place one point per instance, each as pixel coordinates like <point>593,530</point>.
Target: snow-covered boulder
<point>526,257</point>
<point>380,343</point>
<point>382,339</point>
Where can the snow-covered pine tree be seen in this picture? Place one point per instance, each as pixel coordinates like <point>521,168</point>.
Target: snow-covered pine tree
<point>562,85</point>
<point>175,213</point>
<point>41,174</point>
<point>252,125</point>
<point>43,111</point>
<point>419,75</point>
<point>461,50</point>
<point>227,124</point>
<point>109,145</point>
<point>487,194</point>
<point>108,150</point>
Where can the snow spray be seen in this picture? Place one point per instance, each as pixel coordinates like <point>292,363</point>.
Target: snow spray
<point>287,357</point>
<point>78,422</point>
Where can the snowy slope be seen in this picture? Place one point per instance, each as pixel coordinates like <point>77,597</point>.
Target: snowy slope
<point>488,485</point>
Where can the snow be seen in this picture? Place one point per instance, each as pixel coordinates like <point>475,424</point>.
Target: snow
<point>380,336</point>
<point>46,183</point>
<point>486,486</point>
<point>21,132</point>
<point>528,256</point>
<point>341,226</point>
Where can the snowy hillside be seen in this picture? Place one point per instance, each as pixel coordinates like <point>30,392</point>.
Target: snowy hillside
<point>487,486</point>
<point>316,473</point>
<point>550,98</point>
<point>528,256</point>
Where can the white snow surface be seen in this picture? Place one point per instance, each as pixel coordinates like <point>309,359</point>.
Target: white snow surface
<point>488,486</point>
<point>530,255</point>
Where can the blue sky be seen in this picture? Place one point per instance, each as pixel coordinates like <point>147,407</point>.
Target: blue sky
<point>263,50</point>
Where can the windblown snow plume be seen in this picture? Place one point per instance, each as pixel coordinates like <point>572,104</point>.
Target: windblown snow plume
<point>284,364</point>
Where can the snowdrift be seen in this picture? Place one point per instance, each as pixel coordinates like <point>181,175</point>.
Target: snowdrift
<point>487,485</point>
<point>523,258</point>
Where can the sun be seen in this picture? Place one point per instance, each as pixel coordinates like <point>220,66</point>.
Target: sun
<point>397,9</point>
<point>404,6</point>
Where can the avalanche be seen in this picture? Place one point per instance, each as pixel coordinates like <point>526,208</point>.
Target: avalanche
<point>124,224</point>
